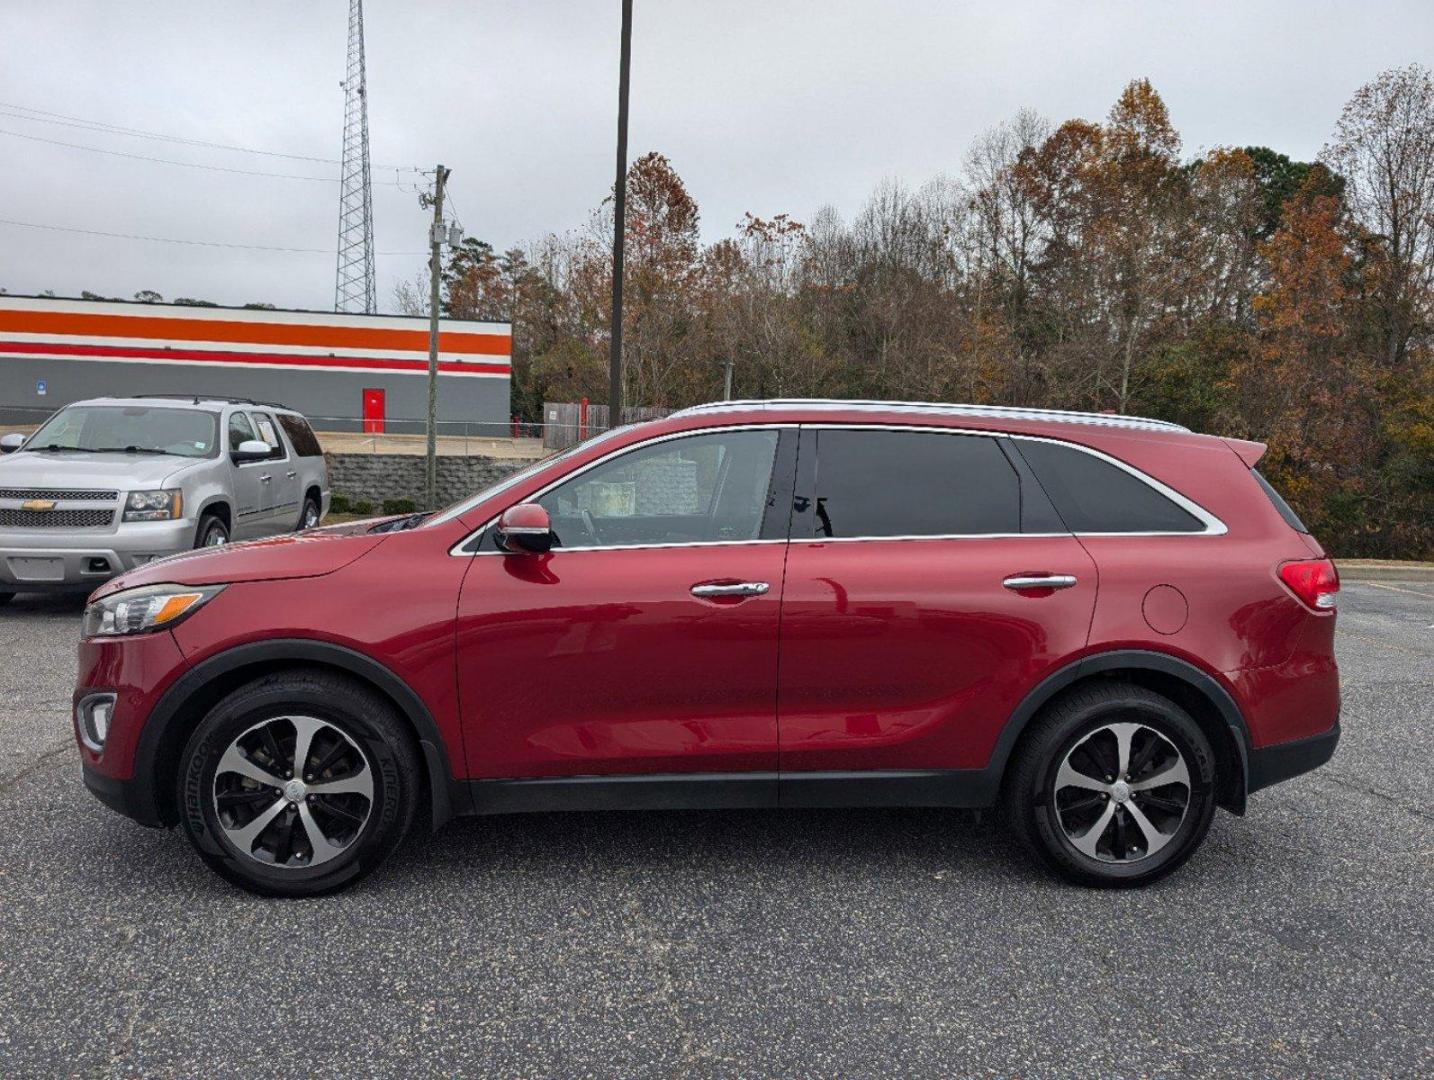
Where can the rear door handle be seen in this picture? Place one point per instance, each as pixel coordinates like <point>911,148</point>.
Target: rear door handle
<point>740,588</point>
<point>290,475</point>
<point>1039,581</point>
<point>265,478</point>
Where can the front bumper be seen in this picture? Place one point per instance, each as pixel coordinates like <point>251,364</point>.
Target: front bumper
<point>134,798</point>
<point>1273,764</point>
<point>80,561</point>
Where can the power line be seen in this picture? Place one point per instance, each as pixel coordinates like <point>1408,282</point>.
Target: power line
<point>44,116</point>
<point>192,243</point>
<point>167,161</point>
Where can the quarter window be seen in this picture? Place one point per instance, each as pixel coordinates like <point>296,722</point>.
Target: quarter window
<point>697,489</point>
<point>913,483</point>
<point>1094,496</point>
<point>301,435</point>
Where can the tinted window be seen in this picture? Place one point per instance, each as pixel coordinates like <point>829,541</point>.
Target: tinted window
<point>1286,511</point>
<point>1094,496</point>
<point>913,483</point>
<point>240,430</point>
<point>691,490</point>
<point>301,436</point>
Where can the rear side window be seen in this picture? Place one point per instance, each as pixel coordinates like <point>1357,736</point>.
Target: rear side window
<point>913,483</point>
<point>300,435</point>
<point>265,423</point>
<point>1094,496</point>
<point>1286,511</point>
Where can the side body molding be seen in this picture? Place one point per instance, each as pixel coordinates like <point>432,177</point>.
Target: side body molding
<point>153,743</point>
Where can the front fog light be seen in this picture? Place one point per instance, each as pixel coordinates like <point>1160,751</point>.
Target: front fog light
<point>92,719</point>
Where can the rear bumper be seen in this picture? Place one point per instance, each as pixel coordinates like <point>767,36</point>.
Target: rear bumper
<point>1273,764</point>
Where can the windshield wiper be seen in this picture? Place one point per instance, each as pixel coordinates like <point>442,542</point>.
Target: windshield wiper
<point>130,450</point>
<point>57,446</point>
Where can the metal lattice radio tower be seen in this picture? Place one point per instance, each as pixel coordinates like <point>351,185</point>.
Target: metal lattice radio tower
<point>354,286</point>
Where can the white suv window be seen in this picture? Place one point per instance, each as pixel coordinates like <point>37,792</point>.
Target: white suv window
<point>240,430</point>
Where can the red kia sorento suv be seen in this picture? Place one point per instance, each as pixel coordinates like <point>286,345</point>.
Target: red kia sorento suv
<point>1102,625</point>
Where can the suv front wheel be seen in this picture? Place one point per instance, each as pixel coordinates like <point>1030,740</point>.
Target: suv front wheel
<point>1113,786</point>
<point>212,532</point>
<point>298,784</point>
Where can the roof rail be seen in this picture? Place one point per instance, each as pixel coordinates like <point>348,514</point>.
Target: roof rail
<point>998,412</point>
<point>197,398</point>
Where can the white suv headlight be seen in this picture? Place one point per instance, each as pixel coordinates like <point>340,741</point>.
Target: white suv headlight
<point>154,505</point>
<point>149,607</point>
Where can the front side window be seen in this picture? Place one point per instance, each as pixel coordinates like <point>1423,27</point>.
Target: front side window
<point>1093,496</point>
<point>134,429</point>
<point>697,489</point>
<point>875,484</point>
<point>240,430</point>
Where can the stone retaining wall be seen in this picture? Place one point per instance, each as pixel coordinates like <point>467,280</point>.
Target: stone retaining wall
<point>400,476</point>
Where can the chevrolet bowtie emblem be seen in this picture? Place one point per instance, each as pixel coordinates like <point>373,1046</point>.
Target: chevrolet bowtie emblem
<point>38,504</point>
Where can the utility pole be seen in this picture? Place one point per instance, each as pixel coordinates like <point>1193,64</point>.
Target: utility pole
<point>727,382</point>
<point>619,221</point>
<point>435,274</point>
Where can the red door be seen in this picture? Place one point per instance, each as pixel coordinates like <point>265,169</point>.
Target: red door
<point>646,642</point>
<point>910,625</point>
<point>373,411</point>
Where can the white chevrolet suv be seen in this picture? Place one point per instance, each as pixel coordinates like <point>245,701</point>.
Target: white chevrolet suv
<point>108,484</point>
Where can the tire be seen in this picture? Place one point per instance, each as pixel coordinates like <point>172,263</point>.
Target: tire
<point>1117,829</point>
<point>212,532</point>
<point>6,597</point>
<point>358,741</point>
<point>309,516</point>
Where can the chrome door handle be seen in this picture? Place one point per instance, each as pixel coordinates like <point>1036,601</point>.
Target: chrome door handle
<point>290,475</point>
<point>742,588</point>
<point>265,478</point>
<point>1044,581</point>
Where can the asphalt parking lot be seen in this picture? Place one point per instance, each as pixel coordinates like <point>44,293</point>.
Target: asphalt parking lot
<point>818,943</point>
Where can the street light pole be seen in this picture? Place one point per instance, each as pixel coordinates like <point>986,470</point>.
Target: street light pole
<point>619,215</point>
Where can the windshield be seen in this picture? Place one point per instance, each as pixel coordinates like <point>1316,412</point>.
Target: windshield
<point>131,429</point>
<point>460,508</point>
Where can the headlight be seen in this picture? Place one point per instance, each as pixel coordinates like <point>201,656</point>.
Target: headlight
<point>150,607</point>
<point>154,506</point>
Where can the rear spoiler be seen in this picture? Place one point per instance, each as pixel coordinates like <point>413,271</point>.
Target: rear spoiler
<point>1248,452</point>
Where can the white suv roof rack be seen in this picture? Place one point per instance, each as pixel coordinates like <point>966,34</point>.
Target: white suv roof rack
<point>996,412</point>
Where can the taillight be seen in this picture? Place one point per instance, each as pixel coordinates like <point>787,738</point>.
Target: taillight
<point>1314,581</point>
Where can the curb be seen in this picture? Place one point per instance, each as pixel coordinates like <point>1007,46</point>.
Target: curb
<point>1358,570</point>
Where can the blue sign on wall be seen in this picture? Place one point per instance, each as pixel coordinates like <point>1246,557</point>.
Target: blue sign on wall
<point>40,387</point>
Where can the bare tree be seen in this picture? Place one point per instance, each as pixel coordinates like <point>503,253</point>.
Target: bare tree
<point>1384,147</point>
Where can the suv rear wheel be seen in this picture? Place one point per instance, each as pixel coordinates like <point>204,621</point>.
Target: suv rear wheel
<point>6,597</point>
<point>298,784</point>
<point>309,517</point>
<point>1113,786</point>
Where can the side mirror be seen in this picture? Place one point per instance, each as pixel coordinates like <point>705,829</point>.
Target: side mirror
<point>525,529</point>
<point>10,443</point>
<point>251,450</point>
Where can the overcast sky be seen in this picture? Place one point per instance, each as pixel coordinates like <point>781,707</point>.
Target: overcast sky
<point>762,105</point>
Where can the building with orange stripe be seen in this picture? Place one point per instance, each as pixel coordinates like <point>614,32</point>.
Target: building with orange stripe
<point>345,372</point>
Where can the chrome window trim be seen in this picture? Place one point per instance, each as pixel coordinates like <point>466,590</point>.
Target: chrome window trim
<point>1213,525</point>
